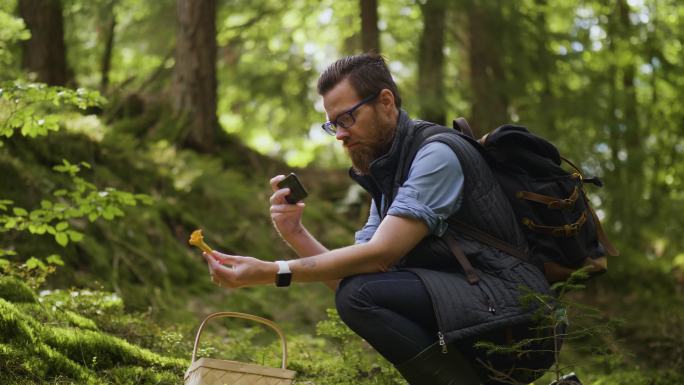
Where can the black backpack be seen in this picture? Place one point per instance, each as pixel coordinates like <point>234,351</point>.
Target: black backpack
<point>562,230</point>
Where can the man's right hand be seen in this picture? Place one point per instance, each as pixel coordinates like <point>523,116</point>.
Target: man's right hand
<point>287,218</point>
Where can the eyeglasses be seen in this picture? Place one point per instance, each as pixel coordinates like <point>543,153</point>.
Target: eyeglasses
<point>346,119</point>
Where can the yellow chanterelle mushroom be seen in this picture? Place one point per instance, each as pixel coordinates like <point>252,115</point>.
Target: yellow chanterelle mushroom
<point>196,239</point>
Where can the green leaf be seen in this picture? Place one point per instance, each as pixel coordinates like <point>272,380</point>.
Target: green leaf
<point>55,259</point>
<point>62,239</point>
<point>34,263</point>
<point>61,226</point>
<point>4,203</point>
<point>18,211</point>
<point>7,252</point>
<point>45,204</point>
<point>75,235</point>
<point>4,264</point>
<point>108,214</point>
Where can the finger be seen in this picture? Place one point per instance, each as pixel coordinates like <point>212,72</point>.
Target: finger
<point>210,261</point>
<point>275,180</point>
<point>286,208</point>
<point>223,259</point>
<point>278,196</point>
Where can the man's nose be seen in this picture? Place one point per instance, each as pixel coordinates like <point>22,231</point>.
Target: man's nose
<point>341,133</point>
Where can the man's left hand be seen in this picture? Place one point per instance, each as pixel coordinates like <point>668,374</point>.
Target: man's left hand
<point>235,271</point>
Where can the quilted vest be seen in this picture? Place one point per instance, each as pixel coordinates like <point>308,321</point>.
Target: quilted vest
<point>495,301</point>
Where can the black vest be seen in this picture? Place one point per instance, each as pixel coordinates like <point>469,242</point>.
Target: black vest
<point>493,302</point>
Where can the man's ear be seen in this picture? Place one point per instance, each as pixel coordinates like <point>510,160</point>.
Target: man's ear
<point>386,98</point>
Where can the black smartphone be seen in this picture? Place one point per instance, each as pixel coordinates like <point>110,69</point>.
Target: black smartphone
<point>297,191</point>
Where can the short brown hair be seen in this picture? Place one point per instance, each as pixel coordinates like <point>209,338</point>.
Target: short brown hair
<point>368,74</point>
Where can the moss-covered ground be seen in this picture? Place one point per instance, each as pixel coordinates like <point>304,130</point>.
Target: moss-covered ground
<point>124,307</point>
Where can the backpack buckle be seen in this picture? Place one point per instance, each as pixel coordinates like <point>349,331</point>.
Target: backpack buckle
<point>566,230</point>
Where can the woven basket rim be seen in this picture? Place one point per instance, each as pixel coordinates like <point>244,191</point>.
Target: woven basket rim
<point>240,367</point>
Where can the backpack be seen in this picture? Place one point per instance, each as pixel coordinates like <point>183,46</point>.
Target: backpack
<point>562,230</point>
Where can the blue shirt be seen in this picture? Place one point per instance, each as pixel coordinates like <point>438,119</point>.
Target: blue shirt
<point>431,193</point>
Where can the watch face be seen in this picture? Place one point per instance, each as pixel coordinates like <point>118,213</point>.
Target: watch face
<point>283,279</point>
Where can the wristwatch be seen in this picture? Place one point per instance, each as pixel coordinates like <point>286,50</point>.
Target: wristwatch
<point>284,275</point>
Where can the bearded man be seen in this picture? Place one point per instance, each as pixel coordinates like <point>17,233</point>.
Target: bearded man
<point>400,286</point>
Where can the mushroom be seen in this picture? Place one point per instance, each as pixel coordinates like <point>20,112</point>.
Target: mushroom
<point>196,239</point>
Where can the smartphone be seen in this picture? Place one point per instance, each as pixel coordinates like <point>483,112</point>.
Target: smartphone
<point>297,191</point>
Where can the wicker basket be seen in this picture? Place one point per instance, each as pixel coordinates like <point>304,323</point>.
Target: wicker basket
<point>209,371</point>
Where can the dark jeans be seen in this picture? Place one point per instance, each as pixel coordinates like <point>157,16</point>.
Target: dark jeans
<point>391,310</point>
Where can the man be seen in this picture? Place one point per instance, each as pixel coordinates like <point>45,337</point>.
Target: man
<point>400,286</point>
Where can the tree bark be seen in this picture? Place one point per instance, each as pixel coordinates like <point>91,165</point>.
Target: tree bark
<point>431,63</point>
<point>45,52</point>
<point>487,77</point>
<point>370,35</point>
<point>109,45</point>
<point>195,73</point>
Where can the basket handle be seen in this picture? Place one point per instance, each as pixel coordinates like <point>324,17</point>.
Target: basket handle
<point>264,321</point>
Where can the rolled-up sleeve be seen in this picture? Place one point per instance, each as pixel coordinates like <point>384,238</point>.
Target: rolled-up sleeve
<point>433,190</point>
<point>366,233</point>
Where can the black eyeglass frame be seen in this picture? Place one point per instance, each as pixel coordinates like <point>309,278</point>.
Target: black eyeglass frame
<point>330,127</point>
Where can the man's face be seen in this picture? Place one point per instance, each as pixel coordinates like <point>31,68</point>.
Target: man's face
<point>370,136</point>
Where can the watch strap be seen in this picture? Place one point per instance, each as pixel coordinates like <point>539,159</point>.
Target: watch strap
<point>283,277</point>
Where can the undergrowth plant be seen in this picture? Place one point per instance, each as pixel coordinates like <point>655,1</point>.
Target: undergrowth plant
<point>560,320</point>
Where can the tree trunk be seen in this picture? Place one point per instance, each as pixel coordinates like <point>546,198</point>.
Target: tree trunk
<point>544,66</point>
<point>487,77</point>
<point>195,73</point>
<point>45,52</point>
<point>370,35</point>
<point>431,63</point>
<point>110,18</point>
<point>633,172</point>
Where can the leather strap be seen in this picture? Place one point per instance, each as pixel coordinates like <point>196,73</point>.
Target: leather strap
<point>470,273</point>
<point>488,239</point>
<point>462,125</point>
<point>551,202</point>
<point>557,231</point>
<point>607,245</point>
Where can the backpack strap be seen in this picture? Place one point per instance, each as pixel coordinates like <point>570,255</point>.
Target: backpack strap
<point>487,239</point>
<point>462,259</point>
<point>603,238</point>
<point>462,125</point>
<point>426,131</point>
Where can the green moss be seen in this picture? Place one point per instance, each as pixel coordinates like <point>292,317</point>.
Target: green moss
<point>641,377</point>
<point>140,375</point>
<point>14,290</point>
<point>43,349</point>
<point>15,326</point>
<point>104,351</point>
<point>79,321</point>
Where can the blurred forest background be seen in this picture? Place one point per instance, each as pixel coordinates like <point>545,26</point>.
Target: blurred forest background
<point>126,124</point>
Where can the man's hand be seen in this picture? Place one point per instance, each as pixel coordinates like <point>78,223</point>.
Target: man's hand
<point>287,218</point>
<point>235,271</point>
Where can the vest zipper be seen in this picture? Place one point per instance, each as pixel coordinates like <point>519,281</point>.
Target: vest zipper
<point>442,342</point>
<point>491,305</point>
<point>440,336</point>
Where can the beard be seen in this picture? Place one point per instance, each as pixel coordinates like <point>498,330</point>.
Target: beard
<point>377,145</point>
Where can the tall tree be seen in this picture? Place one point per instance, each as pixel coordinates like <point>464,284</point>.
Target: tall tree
<point>370,35</point>
<point>45,52</point>
<point>195,72</point>
<point>627,136</point>
<point>108,37</point>
<point>431,63</point>
<point>487,76</point>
